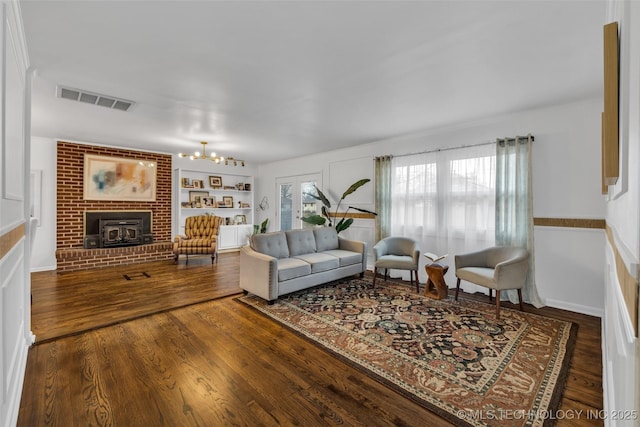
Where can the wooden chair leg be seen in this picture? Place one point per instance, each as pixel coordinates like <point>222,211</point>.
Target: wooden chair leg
<point>497,305</point>
<point>386,272</point>
<point>457,288</point>
<point>417,282</point>
<point>520,299</point>
<point>491,294</point>
<point>411,278</point>
<point>375,273</point>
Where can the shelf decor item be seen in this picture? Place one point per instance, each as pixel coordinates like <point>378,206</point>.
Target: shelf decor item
<point>215,181</point>
<point>195,197</point>
<point>227,201</point>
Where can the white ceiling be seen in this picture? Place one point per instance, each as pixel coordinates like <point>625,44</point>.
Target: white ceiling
<point>263,80</point>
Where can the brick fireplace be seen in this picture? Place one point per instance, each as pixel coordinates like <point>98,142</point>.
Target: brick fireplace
<point>72,211</point>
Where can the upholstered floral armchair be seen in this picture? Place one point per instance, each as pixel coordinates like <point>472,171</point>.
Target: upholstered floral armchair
<point>201,237</point>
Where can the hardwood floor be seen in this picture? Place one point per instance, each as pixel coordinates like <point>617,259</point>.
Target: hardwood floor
<point>214,363</point>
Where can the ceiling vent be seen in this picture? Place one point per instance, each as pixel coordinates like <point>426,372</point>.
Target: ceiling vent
<point>94,98</point>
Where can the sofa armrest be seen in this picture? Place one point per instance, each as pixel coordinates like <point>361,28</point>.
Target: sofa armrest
<point>258,273</point>
<point>355,246</point>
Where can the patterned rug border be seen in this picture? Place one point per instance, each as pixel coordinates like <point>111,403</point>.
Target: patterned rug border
<point>556,396</point>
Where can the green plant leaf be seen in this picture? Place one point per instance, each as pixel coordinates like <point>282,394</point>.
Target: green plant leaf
<point>263,226</point>
<point>314,219</point>
<point>343,224</point>
<point>355,186</point>
<point>322,197</point>
<point>363,210</point>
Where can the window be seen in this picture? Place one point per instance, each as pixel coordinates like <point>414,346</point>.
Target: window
<point>445,199</point>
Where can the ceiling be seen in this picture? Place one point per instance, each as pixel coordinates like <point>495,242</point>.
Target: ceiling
<point>266,80</point>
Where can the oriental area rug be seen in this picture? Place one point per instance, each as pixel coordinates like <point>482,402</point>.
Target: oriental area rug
<point>452,357</point>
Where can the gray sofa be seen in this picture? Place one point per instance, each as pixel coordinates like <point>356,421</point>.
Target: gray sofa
<point>279,263</point>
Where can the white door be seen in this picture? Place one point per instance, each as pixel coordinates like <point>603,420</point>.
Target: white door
<point>294,202</point>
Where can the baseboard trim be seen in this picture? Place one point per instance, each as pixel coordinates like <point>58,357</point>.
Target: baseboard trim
<point>45,268</point>
<point>578,308</point>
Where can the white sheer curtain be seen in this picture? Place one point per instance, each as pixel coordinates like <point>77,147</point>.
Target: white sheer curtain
<point>446,201</point>
<point>514,207</point>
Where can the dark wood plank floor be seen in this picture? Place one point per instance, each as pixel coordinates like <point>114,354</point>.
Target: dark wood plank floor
<point>217,362</point>
<point>67,303</point>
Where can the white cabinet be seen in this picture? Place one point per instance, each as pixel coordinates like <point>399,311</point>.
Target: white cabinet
<point>234,236</point>
<point>226,195</point>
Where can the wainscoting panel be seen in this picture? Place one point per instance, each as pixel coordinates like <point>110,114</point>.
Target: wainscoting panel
<point>363,230</point>
<point>569,268</point>
<point>13,355</point>
<point>618,345</point>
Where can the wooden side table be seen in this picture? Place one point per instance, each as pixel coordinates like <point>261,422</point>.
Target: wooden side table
<point>436,287</point>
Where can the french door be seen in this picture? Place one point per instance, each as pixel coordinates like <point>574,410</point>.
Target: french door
<point>294,203</point>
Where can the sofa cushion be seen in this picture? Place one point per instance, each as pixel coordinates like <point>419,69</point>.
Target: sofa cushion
<point>300,242</point>
<point>326,238</point>
<point>272,244</point>
<point>290,268</point>
<point>320,261</point>
<point>345,257</point>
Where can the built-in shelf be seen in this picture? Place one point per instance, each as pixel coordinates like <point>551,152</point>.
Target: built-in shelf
<point>202,193</point>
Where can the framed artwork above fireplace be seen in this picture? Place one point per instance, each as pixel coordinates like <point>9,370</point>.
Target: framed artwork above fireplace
<point>116,178</point>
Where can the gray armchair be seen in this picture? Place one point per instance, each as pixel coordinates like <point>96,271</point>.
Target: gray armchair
<point>497,267</point>
<point>400,253</point>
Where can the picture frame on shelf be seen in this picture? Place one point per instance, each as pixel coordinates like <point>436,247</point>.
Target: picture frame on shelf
<point>227,201</point>
<point>240,186</point>
<point>197,183</point>
<point>240,219</point>
<point>247,186</point>
<point>209,202</point>
<point>195,197</point>
<point>215,181</point>
<point>186,183</point>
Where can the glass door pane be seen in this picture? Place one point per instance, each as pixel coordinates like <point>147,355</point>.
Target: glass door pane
<point>309,205</point>
<point>294,200</point>
<point>286,206</point>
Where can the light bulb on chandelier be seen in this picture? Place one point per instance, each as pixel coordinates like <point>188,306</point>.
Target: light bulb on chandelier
<point>216,159</point>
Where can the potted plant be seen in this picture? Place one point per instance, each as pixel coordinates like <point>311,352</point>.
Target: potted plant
<point>326,217</point>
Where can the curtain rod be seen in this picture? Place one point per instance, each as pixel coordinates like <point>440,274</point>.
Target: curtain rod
<point>462,146</point>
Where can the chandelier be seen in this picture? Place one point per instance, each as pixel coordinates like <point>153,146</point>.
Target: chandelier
<point>216,159</point>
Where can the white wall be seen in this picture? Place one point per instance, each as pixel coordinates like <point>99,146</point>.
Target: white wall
<point>566,181</point>
<point>15,325</point>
